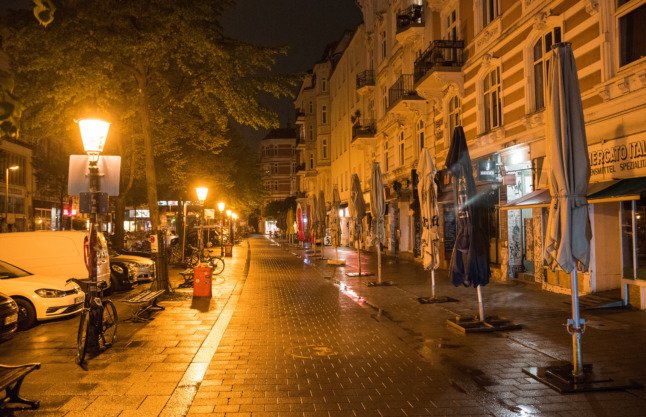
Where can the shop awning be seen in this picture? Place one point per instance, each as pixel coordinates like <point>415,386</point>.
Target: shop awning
<point>598,192</point>
<point>537,198</point>
<point>622,190</point>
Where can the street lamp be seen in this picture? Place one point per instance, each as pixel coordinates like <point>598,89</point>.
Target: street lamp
<point>93,133</point>
<point>6,202</point>
<point>201,192</point>
<point>229,217</point>
<point>221,209</point>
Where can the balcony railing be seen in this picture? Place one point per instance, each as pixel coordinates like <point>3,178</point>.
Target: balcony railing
<point>410,17</point>
<point>402,89</point>
<point>440,55</point>
<point>300,167</point>
<point>366,78</point>
<point>364,128</point>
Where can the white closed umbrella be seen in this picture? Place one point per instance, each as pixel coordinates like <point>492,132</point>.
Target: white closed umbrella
<point>335,226</point>
<point>427,191</point>
<point>567,240</point>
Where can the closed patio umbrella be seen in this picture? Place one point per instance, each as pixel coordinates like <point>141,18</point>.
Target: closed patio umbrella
<point>427,191</point>
<point>290,224</point>
<point>335,226</point>
<point>359,212</point>
<point>299,222</point>
<point>469,260</point>
<point>567,240</point>
<point>322,218</point>
<point>378,206</point>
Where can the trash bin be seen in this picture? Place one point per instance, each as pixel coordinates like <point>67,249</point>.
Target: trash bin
<point>202,281</point>
<point>228,250</point>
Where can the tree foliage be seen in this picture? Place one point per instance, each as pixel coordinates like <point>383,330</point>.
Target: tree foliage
<point>277,210</point>
<point>162,72</point>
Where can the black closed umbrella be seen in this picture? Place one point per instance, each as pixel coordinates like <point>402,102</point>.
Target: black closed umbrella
<point>469,260</point>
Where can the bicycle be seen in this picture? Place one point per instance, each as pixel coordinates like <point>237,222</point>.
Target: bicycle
<point>214,261</point>
<point>99,311</point>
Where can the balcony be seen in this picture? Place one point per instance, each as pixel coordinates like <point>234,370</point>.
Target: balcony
<point>444,58</point>
<point>365,82</point>
<point>299,116</point>
<point>364,129</point>
<point>410,23</point>
<point>403,94</point>
<point>300,168</point>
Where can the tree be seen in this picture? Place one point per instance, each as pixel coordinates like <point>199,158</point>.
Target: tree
<point>277,210</point>
<point>161,69</point>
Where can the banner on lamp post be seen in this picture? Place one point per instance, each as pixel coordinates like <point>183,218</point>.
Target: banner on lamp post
<point>109,169</point>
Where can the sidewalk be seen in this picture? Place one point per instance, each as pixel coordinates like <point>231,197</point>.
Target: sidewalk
<point>614,341</point>
<point>152,369</point>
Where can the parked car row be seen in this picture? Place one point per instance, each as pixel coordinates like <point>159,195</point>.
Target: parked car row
<point>35,268</point>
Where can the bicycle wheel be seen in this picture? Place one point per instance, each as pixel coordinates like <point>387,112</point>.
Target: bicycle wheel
<point>81,337</point>
<point>217,264</point>
<point>109,323</point>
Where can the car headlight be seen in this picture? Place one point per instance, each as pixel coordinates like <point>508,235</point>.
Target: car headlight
<point>50,293</point>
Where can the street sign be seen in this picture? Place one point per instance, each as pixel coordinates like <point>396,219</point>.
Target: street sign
<point>154,245</point>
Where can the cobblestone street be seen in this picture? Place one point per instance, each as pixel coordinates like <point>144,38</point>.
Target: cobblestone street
<point>288,335</point>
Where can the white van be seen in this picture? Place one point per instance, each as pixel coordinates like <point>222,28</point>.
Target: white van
<point>53,253</point>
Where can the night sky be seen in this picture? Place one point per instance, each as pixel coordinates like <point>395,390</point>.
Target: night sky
<point>305,26</point>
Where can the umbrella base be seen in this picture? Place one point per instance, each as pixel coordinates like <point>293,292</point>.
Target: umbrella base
<point>380,284</point>
<point>336,262</point>
<point>559,377</point>
<point>359,274</point>
<point>436,300</point>
<point>475,325</point>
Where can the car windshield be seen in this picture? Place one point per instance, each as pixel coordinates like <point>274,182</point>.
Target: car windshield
<point>11,271</point>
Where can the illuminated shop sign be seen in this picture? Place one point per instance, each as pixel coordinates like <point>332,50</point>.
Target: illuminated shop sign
<point>618,158</point>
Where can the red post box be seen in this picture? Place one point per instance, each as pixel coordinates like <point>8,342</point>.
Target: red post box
<point>202,281</point>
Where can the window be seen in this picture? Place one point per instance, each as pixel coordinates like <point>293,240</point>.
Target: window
<point>491,98</point>
<point>324,84</point>
<point>383,45</point>
<point>324,148</point>
<point>420,136</point>
<point>275,169</point>
<point>541,64</point>
<point>311,132</point>
<point>386,167</point>
<point>311,108</point>
<point>451,31</point>
<point>275,185</point>
<point>630,22</point>
<point>311,161</point>
<point>401,149</point>
<point>384,98</point>
<point>489,11</point>
<point>454,114</point>
<point>324,115</point>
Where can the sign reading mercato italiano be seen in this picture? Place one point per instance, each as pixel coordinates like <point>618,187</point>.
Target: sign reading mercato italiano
<point>617,158</point>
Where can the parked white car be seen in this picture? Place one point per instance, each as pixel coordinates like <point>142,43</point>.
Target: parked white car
<point>39,297</point>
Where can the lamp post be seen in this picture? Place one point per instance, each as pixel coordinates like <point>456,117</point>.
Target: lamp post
<point>201,192</point>
<point>221,209</point>
<point>229,221</point>
<point>235,221</point>
<point>93,133</point>
<point>6,201</point>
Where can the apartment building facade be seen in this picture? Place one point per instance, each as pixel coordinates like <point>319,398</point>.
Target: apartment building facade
<point>421,68</point>
<point>279,162</point>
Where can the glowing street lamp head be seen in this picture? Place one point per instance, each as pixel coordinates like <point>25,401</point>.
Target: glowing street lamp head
<point>93,133</point>
<point>221,206</point>
<point>235,216</point>
<point>201,193</point>
<point>229,213</point>
<point>13,168</point>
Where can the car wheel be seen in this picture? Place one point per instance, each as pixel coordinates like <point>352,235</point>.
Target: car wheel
<point>26,314</point>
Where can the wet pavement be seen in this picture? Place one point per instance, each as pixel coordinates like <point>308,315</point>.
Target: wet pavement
<point>287,335</point>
